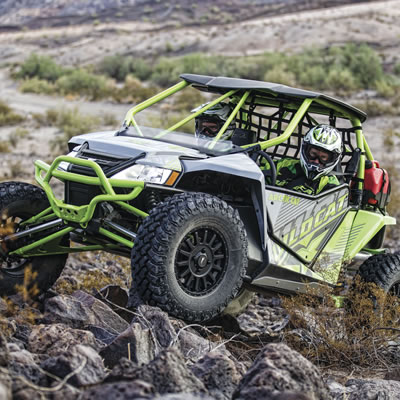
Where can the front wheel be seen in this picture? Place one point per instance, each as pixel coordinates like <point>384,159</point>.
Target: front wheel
<point>18,202</point>
<point>190,256</point>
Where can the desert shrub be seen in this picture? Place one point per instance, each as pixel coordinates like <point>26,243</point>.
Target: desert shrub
<point>388,86</point>
<point>41,67</point>
<point>341,79</point>
<point>8,116</point>
<point>4,146</point>
<point>169,118</point>
<point>164,73</point>
<point>70,122</point>
<point>363,62</point>
<point>279,75</point>
<point>36,85</point>
<point>83,83</point>
<point>187,99</point>
<point>117,67</point>
<point>133,91</point>
<point>141,68</point>
<point>375,108</point>
<point>347,337</point>
<point>109,119</point>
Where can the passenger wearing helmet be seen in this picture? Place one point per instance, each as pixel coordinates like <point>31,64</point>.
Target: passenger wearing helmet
<point>209,123</point>
<point>320,152</point>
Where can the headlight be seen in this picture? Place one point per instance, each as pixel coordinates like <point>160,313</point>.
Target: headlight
<point>147,173</point>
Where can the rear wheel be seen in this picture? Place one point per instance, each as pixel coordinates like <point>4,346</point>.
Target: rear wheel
<point>190,256</point>
<point>383,270</point>
<point>18,202</point>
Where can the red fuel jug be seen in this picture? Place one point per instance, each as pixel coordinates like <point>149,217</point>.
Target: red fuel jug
<point>376,185</point>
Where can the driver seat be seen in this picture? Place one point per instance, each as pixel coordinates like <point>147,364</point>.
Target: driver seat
<point>241,137</point>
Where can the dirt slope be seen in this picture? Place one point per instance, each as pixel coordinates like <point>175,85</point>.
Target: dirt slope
<point>376,23</point>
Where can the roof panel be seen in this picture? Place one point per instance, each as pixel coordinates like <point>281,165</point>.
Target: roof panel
<point>223,84</point>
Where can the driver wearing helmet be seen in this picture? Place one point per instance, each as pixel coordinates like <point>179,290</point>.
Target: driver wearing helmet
<point>320,152</point>
<point>209,123</point>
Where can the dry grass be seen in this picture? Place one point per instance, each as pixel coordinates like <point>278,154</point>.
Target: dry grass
<point>355,337</point>
<point>97,278</point>
<point>25,311</point>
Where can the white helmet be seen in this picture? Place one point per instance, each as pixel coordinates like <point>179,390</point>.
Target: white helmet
<point>322,142</point>
<point>209,123</point>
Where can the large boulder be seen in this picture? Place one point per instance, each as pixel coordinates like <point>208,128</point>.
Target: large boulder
<point>219,373</point>
<point>168,373</point>
<point>82,310</point>
<point>135,343</point>
<point>356,389</point>
<point>159,323</point>
<point>83,360</point>
<point>58,338</point>
<point>174,333</point>
<point>23,363</point>
<point>278,368</point>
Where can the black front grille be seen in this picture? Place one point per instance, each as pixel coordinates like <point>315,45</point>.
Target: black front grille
<point>79,194</point>
<point>110,164</point>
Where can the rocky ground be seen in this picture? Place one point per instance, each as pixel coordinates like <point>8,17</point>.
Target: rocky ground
<point>86,343</point>
<point>90,346</point>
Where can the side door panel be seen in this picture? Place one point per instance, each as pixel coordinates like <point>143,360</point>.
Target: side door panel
<point>302,226</point>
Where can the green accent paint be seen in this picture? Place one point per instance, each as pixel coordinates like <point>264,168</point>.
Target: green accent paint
<point>369,224</point>
<point>115,237</point>
<point>22,251</point>
<point>374,251</point>
<point>83,214</point>
<point>53,250</point>
<point>41,217</point>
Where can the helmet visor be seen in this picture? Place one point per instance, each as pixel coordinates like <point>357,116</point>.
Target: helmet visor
<point>320,156</point>
<point>208,127</point>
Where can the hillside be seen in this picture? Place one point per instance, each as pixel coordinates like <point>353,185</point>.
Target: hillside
<point>33,14</point>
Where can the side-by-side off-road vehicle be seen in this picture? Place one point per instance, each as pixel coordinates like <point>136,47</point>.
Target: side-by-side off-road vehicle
<point>204,225</point>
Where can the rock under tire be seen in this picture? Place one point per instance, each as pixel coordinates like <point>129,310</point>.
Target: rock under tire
<point>23,200</point>
<point>189,237</point>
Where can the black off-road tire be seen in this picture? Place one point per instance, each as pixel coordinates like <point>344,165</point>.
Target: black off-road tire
<point>383,270</point>
<point>21,201</point>
<point>190,256</point>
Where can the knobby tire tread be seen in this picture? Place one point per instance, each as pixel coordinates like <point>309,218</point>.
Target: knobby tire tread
<point>148,259</point>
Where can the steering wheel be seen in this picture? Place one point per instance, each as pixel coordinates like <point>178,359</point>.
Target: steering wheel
<point>272,170</point>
